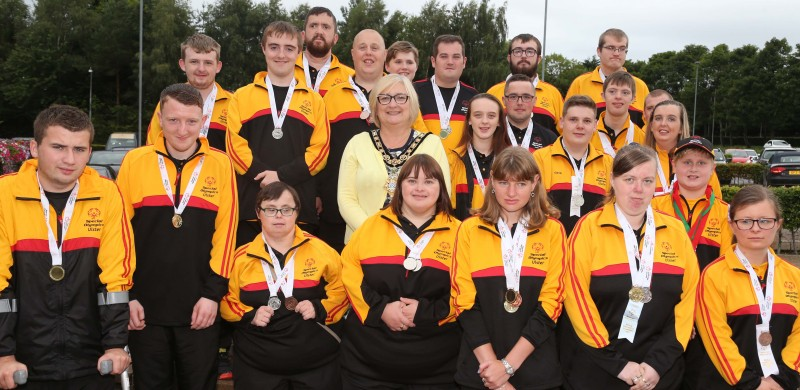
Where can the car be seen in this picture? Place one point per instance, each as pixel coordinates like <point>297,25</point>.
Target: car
<point>741,156</point>
<point>121,140</point>
<point>112,158</point>
<point>783,169</point>
<point>719,157</point>
<point>768,152</point>
<point>104,170</point>
<point>777,143</point>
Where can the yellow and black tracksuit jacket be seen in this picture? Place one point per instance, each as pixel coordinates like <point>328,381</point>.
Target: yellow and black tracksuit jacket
<point>591,84</point>
<point>666,165</point>
<point>479,285</point>
<point>289,345</point>
<point>556,172</point>
<point>466,193</point>
<point>337,74</point>
<point>430,111</point>
<point>620,139</point>
<point>716,235</point>
<point>598,295</point>
<point>549,104</point>
<point>199,253</point>
<point>216,127</point>
<point>300,154</point>
<point>374,276</point>
<point>727,315</point>
<point>60,331</point>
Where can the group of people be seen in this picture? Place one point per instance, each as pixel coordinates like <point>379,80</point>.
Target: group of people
<point>358,230</point>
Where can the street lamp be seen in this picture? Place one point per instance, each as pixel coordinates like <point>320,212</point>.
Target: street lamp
<point>90,93</point>
<point>694,110</point>
<point>544,42</point>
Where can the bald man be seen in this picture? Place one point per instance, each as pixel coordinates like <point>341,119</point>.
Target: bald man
<point>348,114</point>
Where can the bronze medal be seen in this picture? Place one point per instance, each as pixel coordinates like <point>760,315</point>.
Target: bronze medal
<point>510,295</point>
<point>510,308</point>
<point>57,273</point>
<point>765,339</point>
<point>291,303</point>
<point>518,301</point>
<point>177,221</point>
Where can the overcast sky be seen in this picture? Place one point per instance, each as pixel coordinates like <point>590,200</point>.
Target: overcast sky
<point>573,26</point>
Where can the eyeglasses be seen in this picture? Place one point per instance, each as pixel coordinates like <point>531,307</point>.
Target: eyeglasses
<point>271,212</point>
<point>763,223</point>
<point>525,98</point>
<point>518,52</point>
<point>621,49</point>
<point>400,98</point>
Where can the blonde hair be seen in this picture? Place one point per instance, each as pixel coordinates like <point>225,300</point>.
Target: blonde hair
<point>387,82</point>
<point>685,132</point>
<point>200,43</point>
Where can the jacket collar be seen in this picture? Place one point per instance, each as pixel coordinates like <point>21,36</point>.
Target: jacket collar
<point>160,146</point>
<point>733,261</point>
<point>257,248</point>
<point>558,149</point>
<point>608,217</point>
<point>440,221</point>
<point>259,80</point>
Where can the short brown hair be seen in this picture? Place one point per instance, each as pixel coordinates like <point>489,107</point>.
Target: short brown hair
<point>402,47</point>
<point>753,194</point>
<point>183,93</point>
<point>446,38</point>
<point>274,191</point>
<point>431,169</point>
<point>515,78</point>
<point>319,11</point>
<point>628,157</point>
<point>650,140</point>
<point>612,32</point>
<point>579,101</point>
<point>200,43</point>
<point>517,163</point>
<point>620,78</point>
<point>68,117</point>
<point>523,38</point>
<point>278,29</point>
<point>500,139</point>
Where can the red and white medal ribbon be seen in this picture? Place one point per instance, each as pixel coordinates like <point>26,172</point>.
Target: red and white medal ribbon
<point>445,112</point>
<point>576,197</point>
<point>187,194</point>
<point>765,300</point>
<point>321,73</point>
<point>278,118</point>
<point>476,168</point>
<point>606,140</point>
<point>526,140</point>
<point>66,218</point>
<point>208,111</point>
<point>642,275</point>
<point>284,276</point>
<point>513,250</point>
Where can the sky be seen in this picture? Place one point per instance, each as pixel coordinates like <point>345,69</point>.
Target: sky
<point>573,26</point>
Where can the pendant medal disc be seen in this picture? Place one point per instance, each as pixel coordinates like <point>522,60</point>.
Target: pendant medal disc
<point>647,295</point>
<point>510,308</point>
<point>56,273</point>
<point>177,221</point>
<point>277,133</point>
<point>409,263</point>
<point>418,265</point>
<point>765,339</point>
<point>510,295</point>
<point>579,200</point>
<point>635,294</point>
<point>291,303</point>
<point>518,301</point>
<point>364,115</point>
<point>274,303</point>
<point>445,132</point>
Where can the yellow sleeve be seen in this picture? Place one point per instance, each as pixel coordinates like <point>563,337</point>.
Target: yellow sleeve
<point>335,303</point>
<point>419,124</point>
<point>226,222</point>
<point>347,193</point>
<point>116,256</point>
<point>236,146</point>
<point>154,130</point>
<point>231,308</point>
<point>317,151</point>
<point>125,188</point>
<point>353,279</point>
<point>6,258</point>
<point>457,168</point>
<point>685,309</point>
<point>558,110</point>
<point>462,286</point>
<point>552,294</point>
<point>791,352</point>
<point>714,181</point>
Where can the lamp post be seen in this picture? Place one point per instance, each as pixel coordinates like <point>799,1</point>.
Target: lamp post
<point>91,73</point>
<point>544,42</point>
<point>694,110</point>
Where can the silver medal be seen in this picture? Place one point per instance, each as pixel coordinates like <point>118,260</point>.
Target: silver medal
<point>277,133</point>
<point>410,263</point>
<point>577,200</point>
<point>364,115</point>
<point>274,303</point>
<point>418,265</point>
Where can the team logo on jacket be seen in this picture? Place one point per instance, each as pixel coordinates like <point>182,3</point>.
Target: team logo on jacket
<point>93,222</point>
<point>713,229</point>
<point>666,246</point>
<point>210,180</point>
<point>668,255</point>
<point>790,292</point>
<point>464,106</point>
<point>209,188</point>
<point>93,213</point>
<point>309,271</point>
<point>537,247</point>
<point>310,262</point>
<point>223,116</point>
<point>789,285</point>
<point>305,108</point>
<point>713,222</point>
<point>444,245</point>
<point>444,252</point>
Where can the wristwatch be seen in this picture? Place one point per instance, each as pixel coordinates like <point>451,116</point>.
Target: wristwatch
<point>509,369</point>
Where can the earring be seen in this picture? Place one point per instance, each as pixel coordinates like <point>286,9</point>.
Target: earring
<point>493,190</point>
<point>532,194</point>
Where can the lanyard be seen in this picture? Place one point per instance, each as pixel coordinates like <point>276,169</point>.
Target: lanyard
<point>764,300</point>
<point>277,119</point>
<point>695,232</point>
<point>513,249</point>
<point>602,75</point>
<point>360,98</point>
<point>640,276</point>
<point>576,200</point>
<point>55,247</point>
<point>285,276</point>
<point>320,74</point>
<point>208,111</point>
<point>414,250</point>
<point>578,171</point>
<point>526,140</point>
<point>476,168</point>
<point>187,194</point>
<point>606,140</point>
<point>666,186</point>
<point>445,112</point>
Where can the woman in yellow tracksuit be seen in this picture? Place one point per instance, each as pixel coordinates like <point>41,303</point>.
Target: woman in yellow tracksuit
<point>508,283</point>
<point>747,303</point>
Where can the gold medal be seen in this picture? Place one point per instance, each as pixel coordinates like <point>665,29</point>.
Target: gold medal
<point>177,221</point>
<point>57,273</point>
<point>765,339</point>
<point>291,303</point>
<point>640,294</point>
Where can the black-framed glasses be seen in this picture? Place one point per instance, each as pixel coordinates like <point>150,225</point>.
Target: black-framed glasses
<point>400,98</point>
<point>518,52</point>
<point>271,211</point>
<point>748,223</point>
<point>621,49</point>
<point>516,98</point>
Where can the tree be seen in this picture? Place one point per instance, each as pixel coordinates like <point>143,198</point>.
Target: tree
<point>483,29</point>
<point>358,15</point>
<point>561,71</point>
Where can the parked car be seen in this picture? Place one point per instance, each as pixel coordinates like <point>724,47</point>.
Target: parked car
<point>112,158</point>
<point>742,156</point>
<point>719,157</point>
<point>768,152</point>
<point>783,169</point>
<point>121,140</point>
<point>104,170</point>
<point>777,143</point>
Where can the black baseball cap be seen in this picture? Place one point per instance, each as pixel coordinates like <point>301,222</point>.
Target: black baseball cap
<point>695,141</point>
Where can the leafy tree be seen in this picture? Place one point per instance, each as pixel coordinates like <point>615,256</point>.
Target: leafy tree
<point>358,15</point>
<point>561,71</point>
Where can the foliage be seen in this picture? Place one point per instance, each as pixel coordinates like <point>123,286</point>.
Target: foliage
<point>13,153</point>
<point>788,198</point>
<point>740,173</point>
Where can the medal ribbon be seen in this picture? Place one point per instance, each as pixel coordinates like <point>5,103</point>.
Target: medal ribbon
<point>285,276</point>
<point>359,95</point>
<point>320,74</point>
<point>187,194</point>
<point>764,301</point>
<point>445,112</point>
<point>476,168</point>
<point>666,186</point>
<point>641,276</point>
<point>695,232</point>
<point>513,250</point>
<point>526,140</point>
<point>414,250</point>
<point>277,119</point>
<point>208,111</point>
<point>53,244</point>
<point>606,140</point>
<point>578,171</point>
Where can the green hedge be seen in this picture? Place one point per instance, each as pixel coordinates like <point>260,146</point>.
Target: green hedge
<point>740,173</point>
<point>789,198</point>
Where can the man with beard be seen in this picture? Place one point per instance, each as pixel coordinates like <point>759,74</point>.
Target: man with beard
<point>524,56</point>
<point>317,68</point>
<point>612,48</point>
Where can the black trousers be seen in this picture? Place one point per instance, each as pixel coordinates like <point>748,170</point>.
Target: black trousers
<point>174,357</point>
<point>246,377</point>
<point>89,382</point>
<point>352,381</point>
